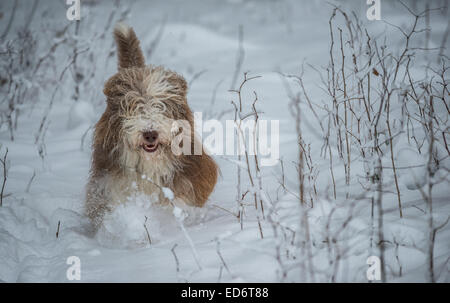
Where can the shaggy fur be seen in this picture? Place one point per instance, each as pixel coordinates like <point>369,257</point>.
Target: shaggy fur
<point>143,100</point>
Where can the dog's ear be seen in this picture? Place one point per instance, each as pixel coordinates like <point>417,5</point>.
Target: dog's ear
<point>129,51</point>
<point>179,83</point>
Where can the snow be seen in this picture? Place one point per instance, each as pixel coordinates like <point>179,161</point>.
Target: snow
<point>412,177</point>
<point>126,225</point>
<point>80,113</point>
<point>168,193</point>
<point>47,177</point>
<point>178,213</point>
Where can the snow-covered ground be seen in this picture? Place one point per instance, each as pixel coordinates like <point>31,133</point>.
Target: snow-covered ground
<point>48,158</point>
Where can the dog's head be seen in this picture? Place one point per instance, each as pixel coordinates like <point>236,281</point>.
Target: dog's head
<point>142,104</point>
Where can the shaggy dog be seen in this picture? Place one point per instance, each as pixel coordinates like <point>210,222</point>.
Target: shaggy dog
<point>132,150</point>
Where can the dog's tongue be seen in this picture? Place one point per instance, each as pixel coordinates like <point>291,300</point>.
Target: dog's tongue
<point>150,147</point>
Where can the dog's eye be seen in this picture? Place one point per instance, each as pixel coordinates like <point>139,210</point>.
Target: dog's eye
<point>158,106</point>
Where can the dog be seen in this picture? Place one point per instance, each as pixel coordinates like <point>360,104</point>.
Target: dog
<point>132,150</point>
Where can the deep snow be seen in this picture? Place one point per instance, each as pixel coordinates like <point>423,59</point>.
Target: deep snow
<point>199,39</point>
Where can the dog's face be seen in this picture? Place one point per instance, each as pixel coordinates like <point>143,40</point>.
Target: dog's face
<point>142,104</point>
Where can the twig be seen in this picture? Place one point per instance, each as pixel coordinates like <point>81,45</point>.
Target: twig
<point>57,229</point>
<point>27,190</point>
<point>240,56</point>
<point>148,234</point>
<point>221,257</point>
<point>5,175</point>
<point>176,258</point>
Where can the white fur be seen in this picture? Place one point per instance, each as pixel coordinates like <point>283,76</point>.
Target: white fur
<point>159,166</point>
<point>122,28</point>
<point>157,84</point>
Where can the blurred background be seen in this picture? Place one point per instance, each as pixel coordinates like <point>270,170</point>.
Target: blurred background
<point>52,72</point>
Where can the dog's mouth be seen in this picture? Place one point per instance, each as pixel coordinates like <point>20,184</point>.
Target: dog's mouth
<point>150,147</point>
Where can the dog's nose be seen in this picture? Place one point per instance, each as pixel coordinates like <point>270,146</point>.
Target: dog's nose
<point>151,136</point>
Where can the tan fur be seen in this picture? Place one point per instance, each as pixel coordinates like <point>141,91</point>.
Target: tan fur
<point>142,98</point>
<point>130,54</point>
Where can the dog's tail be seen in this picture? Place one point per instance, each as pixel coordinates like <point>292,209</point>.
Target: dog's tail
<point>129,51</point>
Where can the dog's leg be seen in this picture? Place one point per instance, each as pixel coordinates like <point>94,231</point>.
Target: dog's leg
<point>196,181</point>
<point>96,202</point>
